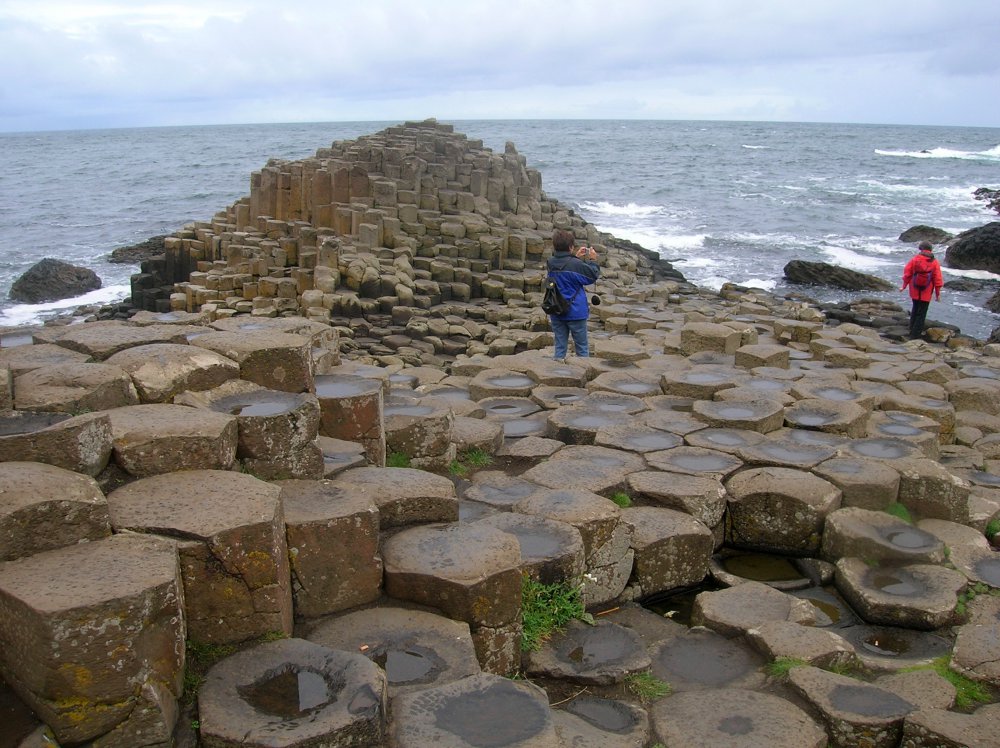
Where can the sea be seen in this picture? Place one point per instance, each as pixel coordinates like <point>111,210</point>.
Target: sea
<point>723,201</point>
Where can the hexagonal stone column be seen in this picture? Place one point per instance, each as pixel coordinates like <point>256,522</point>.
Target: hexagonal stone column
<point>276,432</point>
<point>762,416</point>
<point>231,541</point>
<point>352,409</point>
<point>734,717</point>
<point>829,416</point>
<point>404,496</point>
<point>44,507</point>
<point>940,728</point>
<point>417,650</point>
<point>867,484</point>
<point>82,443</point>
<point>276,360</point>
<point>762,354</point>
<point>915,596</point>
<point>469,572</point>
<point>72,388</point>
<point>333,538</point>
<point>551,551</point>
<point>155,439</point>
<point>708,336</point>
<point>420,429</point>
<point>736,610</point>
<point>500,383</point>
<point>63,611</point>
<point>481,710</point>
<point>162,370</point>
<point>601,653</point>
<point>878,536</point>
<point>103,339</point>
<point>291,693</point>
<point>702,498</point>
<point>779,509</point>
<point>672,549</point>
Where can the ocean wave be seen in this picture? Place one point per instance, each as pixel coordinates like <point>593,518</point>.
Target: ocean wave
<point>991,154</point>
<point>973,274</point>
<point>31,314</point>
<point>848,258</point>
<point>690,263</point>
<point>631,210</point>
<point>755,147</point>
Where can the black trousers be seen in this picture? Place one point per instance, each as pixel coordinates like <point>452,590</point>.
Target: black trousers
<point>918,315</point>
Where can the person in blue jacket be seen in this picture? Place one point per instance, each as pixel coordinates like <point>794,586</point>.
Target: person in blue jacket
<point>572,269</point>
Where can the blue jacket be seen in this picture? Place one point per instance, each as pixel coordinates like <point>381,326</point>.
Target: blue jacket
<point>571,274</point>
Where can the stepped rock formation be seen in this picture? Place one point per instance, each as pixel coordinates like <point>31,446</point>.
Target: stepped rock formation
<point>237,492</point>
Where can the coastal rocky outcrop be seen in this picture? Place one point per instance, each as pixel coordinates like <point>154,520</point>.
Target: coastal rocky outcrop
<point>314,518</point>
<point>976,249</point>
<point>923,233</point>
<point>990,197</point>
<point>52,280</point>
<point>825,274</point>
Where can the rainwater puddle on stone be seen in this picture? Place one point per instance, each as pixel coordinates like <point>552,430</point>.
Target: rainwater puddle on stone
<point>403,379</point>
<point>511,381</point>
<point>786,453</point>
<point>593,421</point>
<point>517,427</point>
<point>255,405</point>
<point>761,567</point>
<point>536,543</point>
<point>830,610</point>
<point>735,412</point>
<point>408,410</point>
<point>647,442</point>
<point>766,385</point>
<point>886,449</point>
<point>408,664</point>
<point>886,644</point>
<point>812,419</point>
<point>702,377</point>
<point>985,479</point>
<point>989,571</point>
<point>364,701</point>
<point>898,429</point>
<point>570,397</point>
<point>509,408</point>
<point>289,694</point>
<point>450,393</point>
<point>605,646</point>
<point>909,538</point>
<point>603,714</point>
<point>494,717</point>
<point>24,422</point>
<point>893,583</point>
<point>725,438</point>
<point>330,387</point>
<point>836,393</point>
<point>677,606</point>
<point>636,388</point>
<point>867,701</point>
<point>15,339</point>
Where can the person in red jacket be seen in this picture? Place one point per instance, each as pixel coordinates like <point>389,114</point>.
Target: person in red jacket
<point>923,275</point>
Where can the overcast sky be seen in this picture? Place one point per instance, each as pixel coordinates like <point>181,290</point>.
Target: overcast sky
<point>123,63</point>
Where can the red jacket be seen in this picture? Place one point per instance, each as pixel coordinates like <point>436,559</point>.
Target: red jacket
<point>920,263</point>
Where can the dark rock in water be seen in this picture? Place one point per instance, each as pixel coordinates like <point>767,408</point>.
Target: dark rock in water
<point>994,336</point>
<point>991,197</point>
<point>969,284</point>
<point>136,253</point>
<point>993,303</point>
<point>52,280</point>
<point>922,233</point>
<point>976,249</point>
<point>825,274</point>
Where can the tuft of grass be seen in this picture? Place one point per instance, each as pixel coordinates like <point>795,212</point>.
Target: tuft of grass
<point>458,468</point>
<point>476,458</point>
<point>968,692</point>
<point>899,511</point>
<point>199,660</point>
<point>397,459</point>
<point>546,609</point>
<point>779,667</point>
<point>647,687</point>
<point>971,593</point>
<point>992,528</point>
<point>622,499</point>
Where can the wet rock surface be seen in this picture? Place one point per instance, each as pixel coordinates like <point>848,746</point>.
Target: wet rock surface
<point>716,448</point>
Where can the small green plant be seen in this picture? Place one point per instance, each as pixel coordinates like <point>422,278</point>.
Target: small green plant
<point>397,459</point>
<point>195,724</point>
<point>779,667</point>
<point>476,458</point>
<point>899,511</point>
<point>622,499</point>
<point>546,609</point>
<point>200,658</point>
<point>971,593</point>
<point>992,528</point>
<point>968,692</point>
<point>457,468</point>
<point>647,687</point>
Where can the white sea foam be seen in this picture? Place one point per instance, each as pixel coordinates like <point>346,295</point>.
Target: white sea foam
<point>697,262</point>
<point>763,283</point>
<point>973,274</point>
<point>630,209</point>
<point>755,147</point>
<point>30,314</point>
<point>848,258</point>
<point>991,154</point>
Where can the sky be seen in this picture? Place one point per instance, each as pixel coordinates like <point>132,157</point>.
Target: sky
<point>129,63</point>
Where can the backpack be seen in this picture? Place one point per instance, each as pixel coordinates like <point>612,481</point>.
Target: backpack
<point>553,302</point>
<point>921,279</point>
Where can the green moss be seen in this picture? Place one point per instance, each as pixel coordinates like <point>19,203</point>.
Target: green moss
<point>476,458</point>
<point>968,692</point>
<point>622,499</point>
<point>398,460</point>
<point>899,511</point>
<point>992,528</point>
<point>779,667</point>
